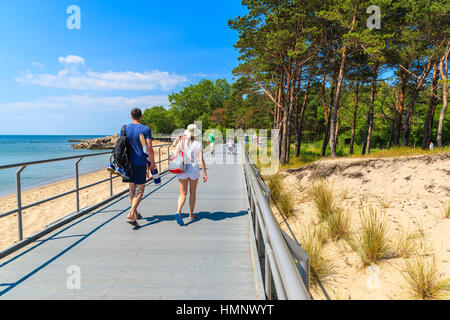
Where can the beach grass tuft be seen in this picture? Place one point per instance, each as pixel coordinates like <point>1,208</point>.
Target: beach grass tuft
<point>372,244</point>
<point>323,199</point>
<point>425,279</point>
<point>338,225</point>
<point>446,211</point>
<point>284,199</point>
<point>406,244</point>
<point>312,241</point>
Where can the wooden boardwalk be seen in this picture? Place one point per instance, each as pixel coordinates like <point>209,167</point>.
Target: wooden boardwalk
<point>213,257</point>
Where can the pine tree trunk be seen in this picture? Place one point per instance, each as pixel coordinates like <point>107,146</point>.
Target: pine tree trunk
<point>371,107</point>
<point>296,117</point>
<point>285,151</point>
<point>355,112</point>
<point>400,106</point>
<point>415,93</point>
<point>428,125</point>
<point>326,115</point>
<point>444,76</point>
<point>336,103</point>
<point>338,122</point>
<point>298,143</point>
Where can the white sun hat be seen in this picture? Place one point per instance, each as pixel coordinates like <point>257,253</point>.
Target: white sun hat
<point>192,131</point>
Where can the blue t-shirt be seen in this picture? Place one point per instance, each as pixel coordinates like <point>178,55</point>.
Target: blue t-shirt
<point>133,132</point>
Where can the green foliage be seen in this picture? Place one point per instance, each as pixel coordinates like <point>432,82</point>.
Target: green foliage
<point>198,102</point>
<point>159,120</point>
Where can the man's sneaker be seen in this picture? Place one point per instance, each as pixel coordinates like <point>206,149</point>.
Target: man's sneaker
<point>111,168</point>
<point>121,173</point>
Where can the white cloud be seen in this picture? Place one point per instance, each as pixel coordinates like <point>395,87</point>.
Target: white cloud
<point>71,78</point>
<point>85,102</point>
<point>37,65</point>
<point>205,75</point>
<point>71,59</point>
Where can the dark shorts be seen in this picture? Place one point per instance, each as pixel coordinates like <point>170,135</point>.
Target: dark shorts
<point>139,175</point>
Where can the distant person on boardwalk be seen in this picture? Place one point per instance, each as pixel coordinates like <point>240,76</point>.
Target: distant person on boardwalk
<point>230,145</point>
<point>431,145</point>
<point>138,162</point>
<point>211,140</point>
<point>191,146</point>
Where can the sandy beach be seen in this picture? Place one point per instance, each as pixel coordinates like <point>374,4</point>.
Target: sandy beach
<point>35,219</point>
<point>411,191</point>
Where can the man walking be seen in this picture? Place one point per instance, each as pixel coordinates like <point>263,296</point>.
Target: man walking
<point>134,131</point>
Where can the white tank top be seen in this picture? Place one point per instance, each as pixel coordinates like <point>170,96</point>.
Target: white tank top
<point>192,150</point>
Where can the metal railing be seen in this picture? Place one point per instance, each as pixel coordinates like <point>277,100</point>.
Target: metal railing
<point>286,264</point>
<point>22,166</point>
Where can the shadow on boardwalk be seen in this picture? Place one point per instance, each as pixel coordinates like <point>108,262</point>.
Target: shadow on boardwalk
<point>213,216</point>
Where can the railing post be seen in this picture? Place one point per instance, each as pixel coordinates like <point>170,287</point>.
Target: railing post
<point>168,156</point>
<point>267,278</point>
<point>19,202</point>
<point>111,179</point>
<point>159,158</point>
<point>259,237</point>
<point>77,184</point>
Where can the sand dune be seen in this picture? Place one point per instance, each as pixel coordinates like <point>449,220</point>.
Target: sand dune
<point>412,191</point>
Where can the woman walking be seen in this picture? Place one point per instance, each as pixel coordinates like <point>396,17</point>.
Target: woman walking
<point>193,157</point>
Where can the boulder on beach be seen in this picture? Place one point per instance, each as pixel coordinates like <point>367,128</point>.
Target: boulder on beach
<point>98,143</point>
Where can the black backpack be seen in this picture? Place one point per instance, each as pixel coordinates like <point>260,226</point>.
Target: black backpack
<point>122,153</point>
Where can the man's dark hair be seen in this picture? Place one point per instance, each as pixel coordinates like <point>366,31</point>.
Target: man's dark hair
<point>136,113</point>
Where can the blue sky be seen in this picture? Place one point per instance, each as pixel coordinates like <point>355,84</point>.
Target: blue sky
<point>128,53</point>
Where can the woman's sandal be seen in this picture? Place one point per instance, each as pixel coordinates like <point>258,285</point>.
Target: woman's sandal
<point>179,219</point>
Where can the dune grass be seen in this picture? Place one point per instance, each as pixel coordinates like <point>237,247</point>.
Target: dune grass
<point>323,198</point>
<point>284,199</point>
<point>328,210</point>
<point>372,244</point>
<point>405,244</point>
<point>446,211</point>
<point>310,152</point>
<point>425,279</point>
<point>274,184</point>
<point>312,241</point>
<point>338,225</point>
<point>286,203</point>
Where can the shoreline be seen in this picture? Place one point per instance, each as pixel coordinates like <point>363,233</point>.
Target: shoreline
<point>53,182</point>
<point>36,218</point>
<point>49,183</point>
